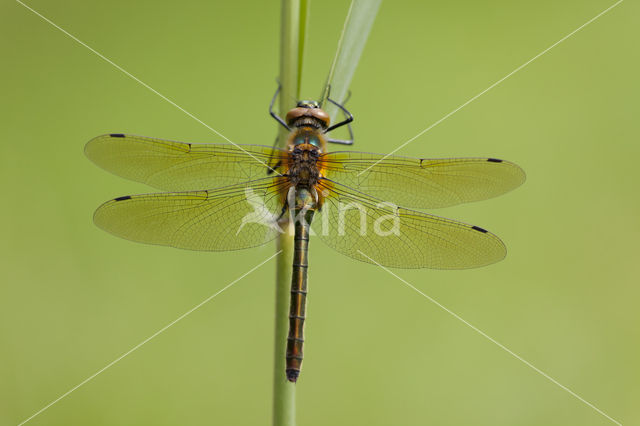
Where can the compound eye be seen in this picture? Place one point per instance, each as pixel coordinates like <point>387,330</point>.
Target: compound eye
<point>314,141</point>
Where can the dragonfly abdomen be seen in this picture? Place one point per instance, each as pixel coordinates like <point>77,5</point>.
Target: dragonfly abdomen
<point>303,214</point>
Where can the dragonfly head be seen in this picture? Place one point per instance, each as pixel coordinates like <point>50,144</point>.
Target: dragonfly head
<point>308,114</point>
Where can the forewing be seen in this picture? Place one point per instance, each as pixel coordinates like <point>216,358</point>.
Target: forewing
<point>179,166</point>
<point>422,183</point>
<point>373,231</point>
<point>230,218</point>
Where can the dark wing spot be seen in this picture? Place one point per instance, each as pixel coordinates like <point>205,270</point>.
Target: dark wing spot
<point>477,228</point>
<point>494,160</point>
<point>117,135</point>
<point>126,197</point>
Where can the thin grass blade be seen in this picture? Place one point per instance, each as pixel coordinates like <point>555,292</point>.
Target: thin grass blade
<point>355,32</point>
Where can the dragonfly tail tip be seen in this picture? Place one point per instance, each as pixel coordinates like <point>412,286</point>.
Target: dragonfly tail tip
<point>292,375</point>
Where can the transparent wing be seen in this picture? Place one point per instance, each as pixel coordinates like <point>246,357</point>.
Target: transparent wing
<point>370,230</point>
<point>422,183</point>
<point>230,218</point>
<point>179,166</point>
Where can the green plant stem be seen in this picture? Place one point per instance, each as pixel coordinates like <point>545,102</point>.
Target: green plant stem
<point>291,46</point>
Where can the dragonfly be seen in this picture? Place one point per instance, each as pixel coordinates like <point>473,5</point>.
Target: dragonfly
<point>229,197</point>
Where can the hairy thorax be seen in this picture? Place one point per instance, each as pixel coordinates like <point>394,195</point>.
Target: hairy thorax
<point>303,167</point>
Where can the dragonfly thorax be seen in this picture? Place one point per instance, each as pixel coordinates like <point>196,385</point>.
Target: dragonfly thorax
<point>303,169</point>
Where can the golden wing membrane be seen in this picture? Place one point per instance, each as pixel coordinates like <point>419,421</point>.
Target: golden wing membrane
<point>422,183</point>
<point>229,218</point>
<point>363,227</point>
<point>179,166</point>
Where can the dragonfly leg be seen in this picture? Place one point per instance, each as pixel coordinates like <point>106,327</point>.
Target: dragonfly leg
<point>272,167</point>
<point>348,115</point>
<point>273,114</point>
<point>341,141</point>
<point>347,121</point>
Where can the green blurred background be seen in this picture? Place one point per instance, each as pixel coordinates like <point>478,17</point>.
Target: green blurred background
<point>73,298</point>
